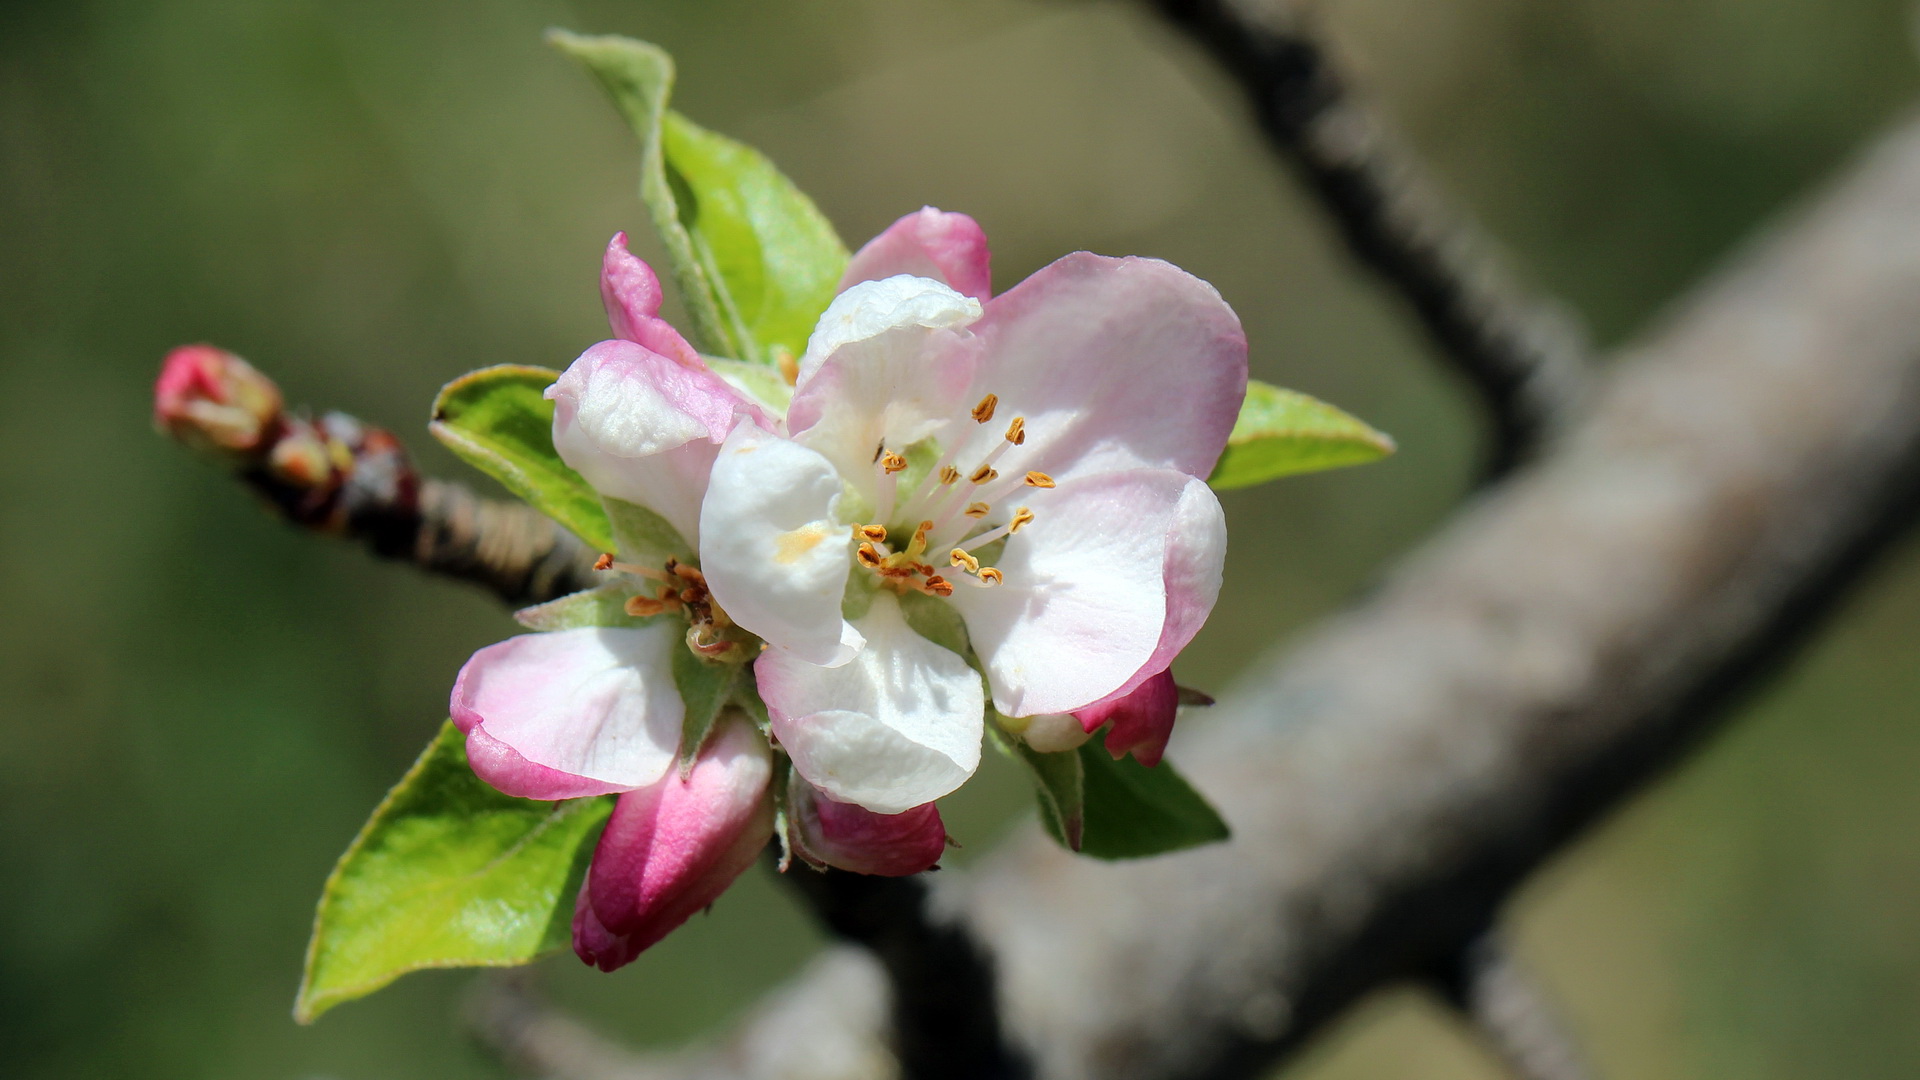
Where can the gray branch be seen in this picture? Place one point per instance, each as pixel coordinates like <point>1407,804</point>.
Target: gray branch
<point>1524,357</point>
<point>1513,1012</point>
<point>1563,642</point>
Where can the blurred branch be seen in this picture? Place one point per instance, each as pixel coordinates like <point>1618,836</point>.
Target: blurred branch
<point>1525,358</point>
<point>342,477</point>
<point>1513,1012</point>
<point>1565,640</point>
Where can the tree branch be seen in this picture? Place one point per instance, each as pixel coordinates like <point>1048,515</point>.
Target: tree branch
<point>1526,359</point>
<point>1512,1012</point>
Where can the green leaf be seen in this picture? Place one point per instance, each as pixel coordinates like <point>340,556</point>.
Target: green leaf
<point>644,537</point>
<point>756,261</point>
<point>602,605</point>
<point>1280,433</point>
<point>1133,811</point>
<point>497,420</point>
<point>706,687</point>
<point>447,873</point>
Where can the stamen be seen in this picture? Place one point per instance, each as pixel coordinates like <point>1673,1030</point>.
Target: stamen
<point>689,573</point>
<point>605,561</point>
<point>1022,516</point>
<point>789,367</point>
<point>642,606</point>
<point>1017,431</point>
<point>939,586</point>
<point>919,542</point>
<point>990,576</point>
<point>977,510</point>
<point>983,412</point>
<point>949,474</point>
<point>893,462</point>
<point>1039,480</point>
<point>875,533</point>
<point>987,472</point>
<point>636,570</point>
<point>959,557</point>
<point>869,556</point>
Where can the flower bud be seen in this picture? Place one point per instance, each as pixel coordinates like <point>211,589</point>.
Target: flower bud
<point>854,838</point>
<point>1051,733</point>
<point>211,399</point>
<point>1142,720</point>
<point>671,848</point>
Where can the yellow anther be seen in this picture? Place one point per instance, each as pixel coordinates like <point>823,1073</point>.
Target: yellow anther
<point>1017,431</point>
<point>977,510</point>
<point>869,556</point>
<point>1021,517</point>
<point>789,367</point>
<point>919,542</point>
<point>875,533</point>
<point>939,586</point>
<point>959,557</point>
<point>1039,479</point>
<point>987,472</point>
<point>604,562</point>
<point>991,576</point>
<point>893,462</point>
<point>948,474</point>
<point>983,412</point>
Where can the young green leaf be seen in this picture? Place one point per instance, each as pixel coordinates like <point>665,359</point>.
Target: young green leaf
<point>447,873</point>
<point>756,261</point>
<point>497,420</point>
<point>706,687</point>
<point>1280,433</point>
<point>1133,811</point>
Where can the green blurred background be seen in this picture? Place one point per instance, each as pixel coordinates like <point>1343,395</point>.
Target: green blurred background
<point>198,706</point>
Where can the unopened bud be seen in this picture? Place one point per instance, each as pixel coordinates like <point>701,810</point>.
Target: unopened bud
<point>849,837</point>
<point>211,399</point>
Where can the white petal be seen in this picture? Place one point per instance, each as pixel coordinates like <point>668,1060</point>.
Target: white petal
<point>889,364</point>
<point>1084,603</point>
<point>897,727</point>
<point>573,712</point>
<point>774,555</point>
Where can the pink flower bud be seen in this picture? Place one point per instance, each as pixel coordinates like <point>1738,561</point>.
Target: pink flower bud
<point>1142,720</point>
<point>854,838</point>
<point>672,847</point>
<point>211,399</point>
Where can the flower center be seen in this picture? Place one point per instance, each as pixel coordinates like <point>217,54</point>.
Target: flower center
<point>682,588</point>
<point>950,504</point>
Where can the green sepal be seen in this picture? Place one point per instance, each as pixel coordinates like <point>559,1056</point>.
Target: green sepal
<point>761,382</point>
<point>1057,785</point>
<point>498,421</point>
<point>1133,811</point>
<point>447,873</point>
<point>755,260</point>
<point>602,605</point>
<point>1282,433</point>
<point>645,538</point>
<point>706,688</point>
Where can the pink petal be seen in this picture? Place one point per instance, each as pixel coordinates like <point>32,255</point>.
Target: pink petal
<point>631,292</point>
<point>1087,600</point>
<point>672,848</point>
<point>210,398</point>
<point>643,428</point>
<point>571,713</point>
<point>949,248</point>
<point>1114,364</point>
<point>853,838</point>
<point>1142,720</point>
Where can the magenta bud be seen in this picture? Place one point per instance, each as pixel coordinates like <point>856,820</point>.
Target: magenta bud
<point>854,838</point>
<point>1142,720</point>
<point>672,847</point>
<point>211,399</point>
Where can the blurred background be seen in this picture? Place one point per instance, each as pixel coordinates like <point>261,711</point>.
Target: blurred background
<point>198,706</point>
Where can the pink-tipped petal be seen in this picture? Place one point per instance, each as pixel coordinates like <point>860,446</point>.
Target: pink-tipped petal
<point>212,399</point>
<point>672,848</point>
<point>631,292</point>
<point>643,428</point>
<point>1113,364</point>
<point>571,713</point>
<point>928,243</point>
<point>1085,601</point>
<point>1142,721</point>
<point>853,838</point>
